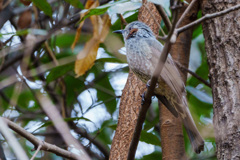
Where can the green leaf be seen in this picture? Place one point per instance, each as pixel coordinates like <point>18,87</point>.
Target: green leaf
<point>110,124</point>
<point>94,11</point>
<point>64,40</point>
<point>104,135</point>
<point>75,3</point>
<point>105,91</point>
<point>25,98</point>
<point>197,31</point>
<point>202,96</point>
<point>8,92</point>
<point>202,70</point>
<point>149,138</point>
<point>73,88</point>
<point>44,6</point>
<point>59,71</point>
<point>199,108</point>
<point>100,10</point>
<point>152,156</point>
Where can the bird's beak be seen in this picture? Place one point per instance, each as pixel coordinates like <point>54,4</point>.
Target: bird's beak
<point>118,31</point>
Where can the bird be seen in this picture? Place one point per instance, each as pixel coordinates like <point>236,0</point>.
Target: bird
<point>143,51</point>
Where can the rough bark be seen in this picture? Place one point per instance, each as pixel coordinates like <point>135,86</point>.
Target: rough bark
<point>128,113</point>
<point>171,127</point>
<point>222,36</point>
<point>131,98</point>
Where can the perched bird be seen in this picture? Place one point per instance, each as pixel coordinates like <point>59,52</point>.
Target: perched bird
<point>143,53</point>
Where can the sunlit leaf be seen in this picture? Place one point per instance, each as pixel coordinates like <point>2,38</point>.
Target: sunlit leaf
<point>202,96</point>
<point>95,11</point>
<point>89,4</point>
<point>86,57</point>
<point>121,8</point>
<point>199,108</point>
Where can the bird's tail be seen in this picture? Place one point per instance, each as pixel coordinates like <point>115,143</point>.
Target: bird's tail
<point>195,138</point>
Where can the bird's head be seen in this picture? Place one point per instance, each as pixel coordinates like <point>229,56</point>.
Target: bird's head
<point>136,29</point>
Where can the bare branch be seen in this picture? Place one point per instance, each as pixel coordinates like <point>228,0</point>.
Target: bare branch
<point>206,17</point>
<point>123,20</point>
<point>164,17</point>
<point>193,74</point>
<point>35,141</point>
<point>38,149</point>
<point>61,126</point>
<point>185,13</point>
<point>12,140</point>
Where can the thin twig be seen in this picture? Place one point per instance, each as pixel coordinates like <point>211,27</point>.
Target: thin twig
<point>162,38</point>
<point>186,12</point>
<point>193,74</point>
<point>159,26</point>
<point>51,53</point>
<point>164,16</point>
<point>12,140</point>
<point>38,149</point>
<point>123,20</point>
<point>206,17</point>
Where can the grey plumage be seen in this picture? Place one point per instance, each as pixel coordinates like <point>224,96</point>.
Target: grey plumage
<point>143,52</point>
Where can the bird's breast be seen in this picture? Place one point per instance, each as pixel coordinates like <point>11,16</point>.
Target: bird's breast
<point>139,58</point>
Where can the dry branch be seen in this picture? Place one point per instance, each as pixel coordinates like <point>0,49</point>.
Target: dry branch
<point>206,17</point>
<point>35,141</point>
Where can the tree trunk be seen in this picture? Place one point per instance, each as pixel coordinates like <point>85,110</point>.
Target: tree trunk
<point>131,98</point>
<point>171,127</point>
<point>222,36</point>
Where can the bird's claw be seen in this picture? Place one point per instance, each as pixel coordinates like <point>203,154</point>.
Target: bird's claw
<point>143,98</point>
<point>148,83</point>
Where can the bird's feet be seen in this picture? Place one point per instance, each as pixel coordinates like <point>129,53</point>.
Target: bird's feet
<point>148,84</point>
<point>143,98</point>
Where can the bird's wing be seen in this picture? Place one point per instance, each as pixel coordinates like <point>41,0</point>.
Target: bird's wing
<point>170,73</point>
